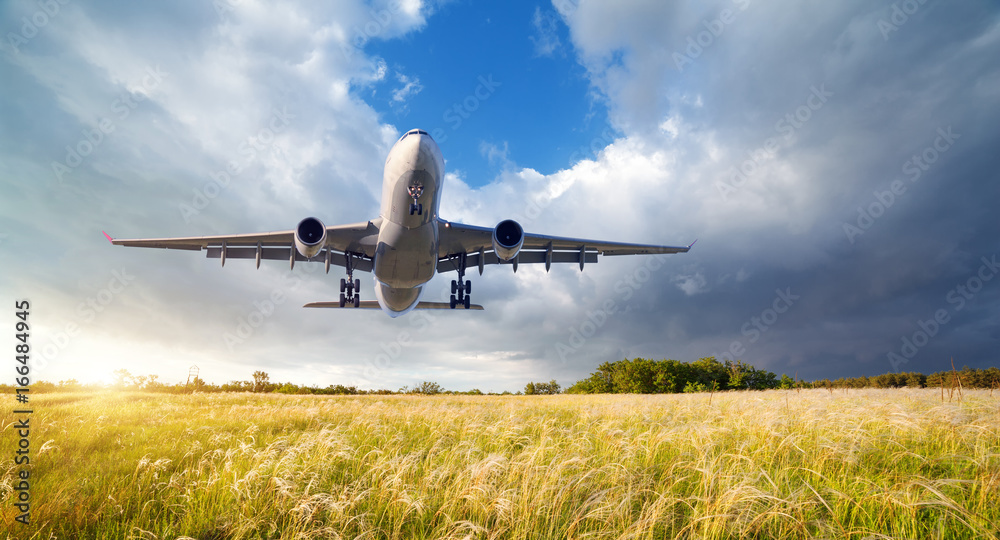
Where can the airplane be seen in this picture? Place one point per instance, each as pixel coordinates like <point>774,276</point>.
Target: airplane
<point>407,244</point>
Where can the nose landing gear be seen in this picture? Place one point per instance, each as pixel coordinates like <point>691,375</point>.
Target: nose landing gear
<point>415,191</point>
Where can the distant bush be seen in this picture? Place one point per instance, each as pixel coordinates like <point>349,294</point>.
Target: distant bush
<point>536,388</point>
<point>692,387</point>
<point>428,388</point>
<point>642,376</point>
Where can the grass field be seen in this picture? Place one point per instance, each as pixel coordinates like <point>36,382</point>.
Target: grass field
<point>776,464</point>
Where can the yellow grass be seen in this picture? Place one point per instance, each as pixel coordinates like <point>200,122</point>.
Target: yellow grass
<point>776,464</point>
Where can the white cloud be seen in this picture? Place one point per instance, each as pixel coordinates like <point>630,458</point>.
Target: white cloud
<point>262,87</point>
<point>681,134</point>
<point>410,88</point>
<point>691,285</point>
<point>546,34</point>
<point>495,154</point>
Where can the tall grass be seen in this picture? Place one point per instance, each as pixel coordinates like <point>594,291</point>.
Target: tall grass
<point>776,464</point>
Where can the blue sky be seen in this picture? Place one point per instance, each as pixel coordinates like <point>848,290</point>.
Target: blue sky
<point>835,160</point>
<point>536,108</point>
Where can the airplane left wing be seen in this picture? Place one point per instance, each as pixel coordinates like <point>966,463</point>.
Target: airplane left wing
<point>358,240</point>
<point>371,304</point>
<point>476,245</point>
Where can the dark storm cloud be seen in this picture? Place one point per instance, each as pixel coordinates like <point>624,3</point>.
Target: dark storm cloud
<point>909,96</point>
<point>764,143</point>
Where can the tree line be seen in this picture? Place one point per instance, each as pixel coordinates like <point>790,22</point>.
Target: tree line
<point>635,376</point>
<point>643,376</point>
<point>260,384</point>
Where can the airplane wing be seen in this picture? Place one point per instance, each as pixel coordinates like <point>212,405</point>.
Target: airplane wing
<point>357,239</point>
<point>371,304</point>
<point>476,244</point>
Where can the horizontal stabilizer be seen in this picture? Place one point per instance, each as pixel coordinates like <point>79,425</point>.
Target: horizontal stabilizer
<point>446,305</point>
<point>371,304</point>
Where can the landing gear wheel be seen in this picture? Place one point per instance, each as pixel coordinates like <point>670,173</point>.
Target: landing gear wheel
<point>461,288</point>
<point>350,288</point>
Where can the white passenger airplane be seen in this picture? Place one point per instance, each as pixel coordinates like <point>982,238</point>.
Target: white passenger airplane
<point>407,243</point>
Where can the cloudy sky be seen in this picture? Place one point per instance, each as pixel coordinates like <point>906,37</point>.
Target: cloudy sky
<point>837,162</point>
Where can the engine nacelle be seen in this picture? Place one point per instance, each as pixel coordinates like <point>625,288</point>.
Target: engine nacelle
<point>310,237</point>
<point>508,236</point>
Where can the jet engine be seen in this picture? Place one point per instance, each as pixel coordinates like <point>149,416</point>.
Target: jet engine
<point>508,236</point>
<point>310,236</point>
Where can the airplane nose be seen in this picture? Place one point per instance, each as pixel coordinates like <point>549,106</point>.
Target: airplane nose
<point>418,151</point>
<point>424,151</point>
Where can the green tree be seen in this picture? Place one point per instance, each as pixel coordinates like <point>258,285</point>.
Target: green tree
<point>692,387</point>
<point>709,370</point>
<point>429,388</point>
<point>915,380</point>
<point>737,377</point>
<point>261,381</point>
<point>601,380</point>
<point>548,388</point>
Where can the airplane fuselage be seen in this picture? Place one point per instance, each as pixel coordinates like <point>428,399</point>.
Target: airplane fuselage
<point>405,245</point>
<point>407,252</point>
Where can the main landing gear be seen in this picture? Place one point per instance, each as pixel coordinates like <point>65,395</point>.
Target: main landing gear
<point>415,191</point>
<point>461,289</point>
<point>350,288</point>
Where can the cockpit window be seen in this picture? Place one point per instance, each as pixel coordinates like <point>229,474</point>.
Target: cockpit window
<point>414,132</point>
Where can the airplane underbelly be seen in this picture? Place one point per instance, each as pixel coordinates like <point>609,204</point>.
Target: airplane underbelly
<point>406,258</point>
<point>397,302</point>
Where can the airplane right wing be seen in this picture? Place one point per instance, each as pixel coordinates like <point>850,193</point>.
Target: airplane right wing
<point>475,244</point>
<point>371,304</point>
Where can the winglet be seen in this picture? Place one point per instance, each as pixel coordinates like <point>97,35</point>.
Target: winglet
<point>693,243</point>
<point>109,238</point>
